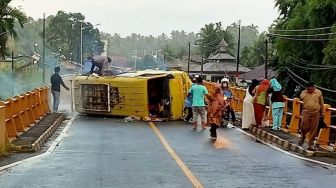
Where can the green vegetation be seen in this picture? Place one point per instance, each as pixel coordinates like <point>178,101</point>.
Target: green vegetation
<point>211,35</point>
<point>63,32</point>
<point>8,17</point>
<point>255,55</point>
<point>310,49</point>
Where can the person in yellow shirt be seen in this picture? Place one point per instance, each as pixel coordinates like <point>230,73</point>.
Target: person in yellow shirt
<point>312,110</point>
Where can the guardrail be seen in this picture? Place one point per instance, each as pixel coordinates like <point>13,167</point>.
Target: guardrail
<point>19,113</point>
<point>293,109</point>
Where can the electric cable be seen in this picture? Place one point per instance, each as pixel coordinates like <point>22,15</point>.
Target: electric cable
<point>322,88</point>
<point>300,30</point>
<point>304,87</point>
<point>304,39</point>
<point>307,35</point>
<point>304,62</point>
<point>310,68</point>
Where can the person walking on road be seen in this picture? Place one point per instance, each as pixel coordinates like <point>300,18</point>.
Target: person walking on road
<point>215,109</point>
<point>56,82</point>
<point>312,110</point>
<point>278,103</point>
<point>260,101</point>
<point>248,118</point>
<point>198,93</point>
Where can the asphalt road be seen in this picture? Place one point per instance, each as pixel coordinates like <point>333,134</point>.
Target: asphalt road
<point>100,152</point>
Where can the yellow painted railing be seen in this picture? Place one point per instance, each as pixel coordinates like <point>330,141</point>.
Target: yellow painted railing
<point>2,129</point>
<point>292,109</point>
<point>19,113</point>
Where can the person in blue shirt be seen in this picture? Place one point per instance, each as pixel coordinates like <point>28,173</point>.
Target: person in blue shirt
<point>188,108</point>
<point>198,93</point>
<point>188,104</point>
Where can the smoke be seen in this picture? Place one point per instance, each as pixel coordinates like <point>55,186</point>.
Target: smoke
<point>28,78</point>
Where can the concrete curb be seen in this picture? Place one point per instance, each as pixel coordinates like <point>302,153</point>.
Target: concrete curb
<point>265,136</point>
<point>39,143</point>
<point>52,147</point>
<point>295,155</point>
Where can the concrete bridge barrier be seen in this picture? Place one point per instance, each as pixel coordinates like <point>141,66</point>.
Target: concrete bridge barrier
<point>19,113</point>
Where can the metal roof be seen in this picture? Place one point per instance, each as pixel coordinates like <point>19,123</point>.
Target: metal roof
<point>258,72</point>
<point>222,56</point>
<point>226,67</point>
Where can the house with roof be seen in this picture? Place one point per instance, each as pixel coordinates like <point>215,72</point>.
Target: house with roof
<point>219,65</point>
<point>258,73</point>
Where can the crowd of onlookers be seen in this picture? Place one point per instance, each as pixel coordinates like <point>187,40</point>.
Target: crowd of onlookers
<point>211,101</point>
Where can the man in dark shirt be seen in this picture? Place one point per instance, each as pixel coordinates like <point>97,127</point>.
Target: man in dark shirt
<point>56,82</point>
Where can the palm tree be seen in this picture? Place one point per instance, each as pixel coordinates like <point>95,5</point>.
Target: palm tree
<point>8,17</point>
<point>210,37</point>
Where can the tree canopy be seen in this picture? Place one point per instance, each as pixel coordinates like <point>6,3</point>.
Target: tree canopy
<point>303,36</point>
<point>64,30</point>
<point>8,16</point>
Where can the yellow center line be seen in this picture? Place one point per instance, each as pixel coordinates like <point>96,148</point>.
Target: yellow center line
<point>196,183</point>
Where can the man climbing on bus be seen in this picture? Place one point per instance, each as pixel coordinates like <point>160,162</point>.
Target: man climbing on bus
<point>102,62</point>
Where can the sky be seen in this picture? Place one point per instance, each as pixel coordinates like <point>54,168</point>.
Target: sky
<point>153,17</point>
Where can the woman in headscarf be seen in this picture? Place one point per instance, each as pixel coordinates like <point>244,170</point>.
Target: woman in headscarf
<point>248,111</point>
<point>260,100</point>
<point>215,107</point>
<point>278,103</point>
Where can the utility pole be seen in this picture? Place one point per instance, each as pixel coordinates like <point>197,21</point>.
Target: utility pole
<point>135,59</point>
<point>13,79</point>
<point>81,48</point>
<point>189,58</point>
<point>43,48</point>
<point>107,48</point>
<point>202,60</point>
<point>238,52</point>
<point>266,58</point>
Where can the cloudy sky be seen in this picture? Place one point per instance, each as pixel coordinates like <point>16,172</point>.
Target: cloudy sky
<point>153,17</point>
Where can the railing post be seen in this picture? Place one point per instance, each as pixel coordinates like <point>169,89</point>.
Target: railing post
<point>234,101</point>
<point>295,121</point>
<point>2,130</point>
<point>241,95</point>
<point>323,137</point>
<point>284,116</point>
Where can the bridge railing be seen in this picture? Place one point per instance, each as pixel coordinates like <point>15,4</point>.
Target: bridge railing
<point>19,113</point>
<point>293,110</point>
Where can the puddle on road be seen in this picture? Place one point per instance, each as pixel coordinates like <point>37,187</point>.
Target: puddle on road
<point>221,143</point>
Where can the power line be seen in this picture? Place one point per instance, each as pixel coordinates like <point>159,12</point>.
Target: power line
<point>307,35</point>
<point>322,88</point>
<point>304,87</point>
<point>310,68</point>
<point>304,62</point>
<point>301,39</point>
<point>300,30</point>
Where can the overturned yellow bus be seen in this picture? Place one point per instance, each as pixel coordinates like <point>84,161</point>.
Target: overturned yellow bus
<point>148,93</point>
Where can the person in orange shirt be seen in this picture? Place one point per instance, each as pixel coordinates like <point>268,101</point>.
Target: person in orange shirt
<point>215,109</point>
<point>312,110</point>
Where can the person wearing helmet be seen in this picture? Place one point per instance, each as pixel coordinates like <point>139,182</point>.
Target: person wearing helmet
<point>227,97</point>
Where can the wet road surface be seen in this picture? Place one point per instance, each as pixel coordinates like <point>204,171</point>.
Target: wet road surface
<point>100,152</point>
